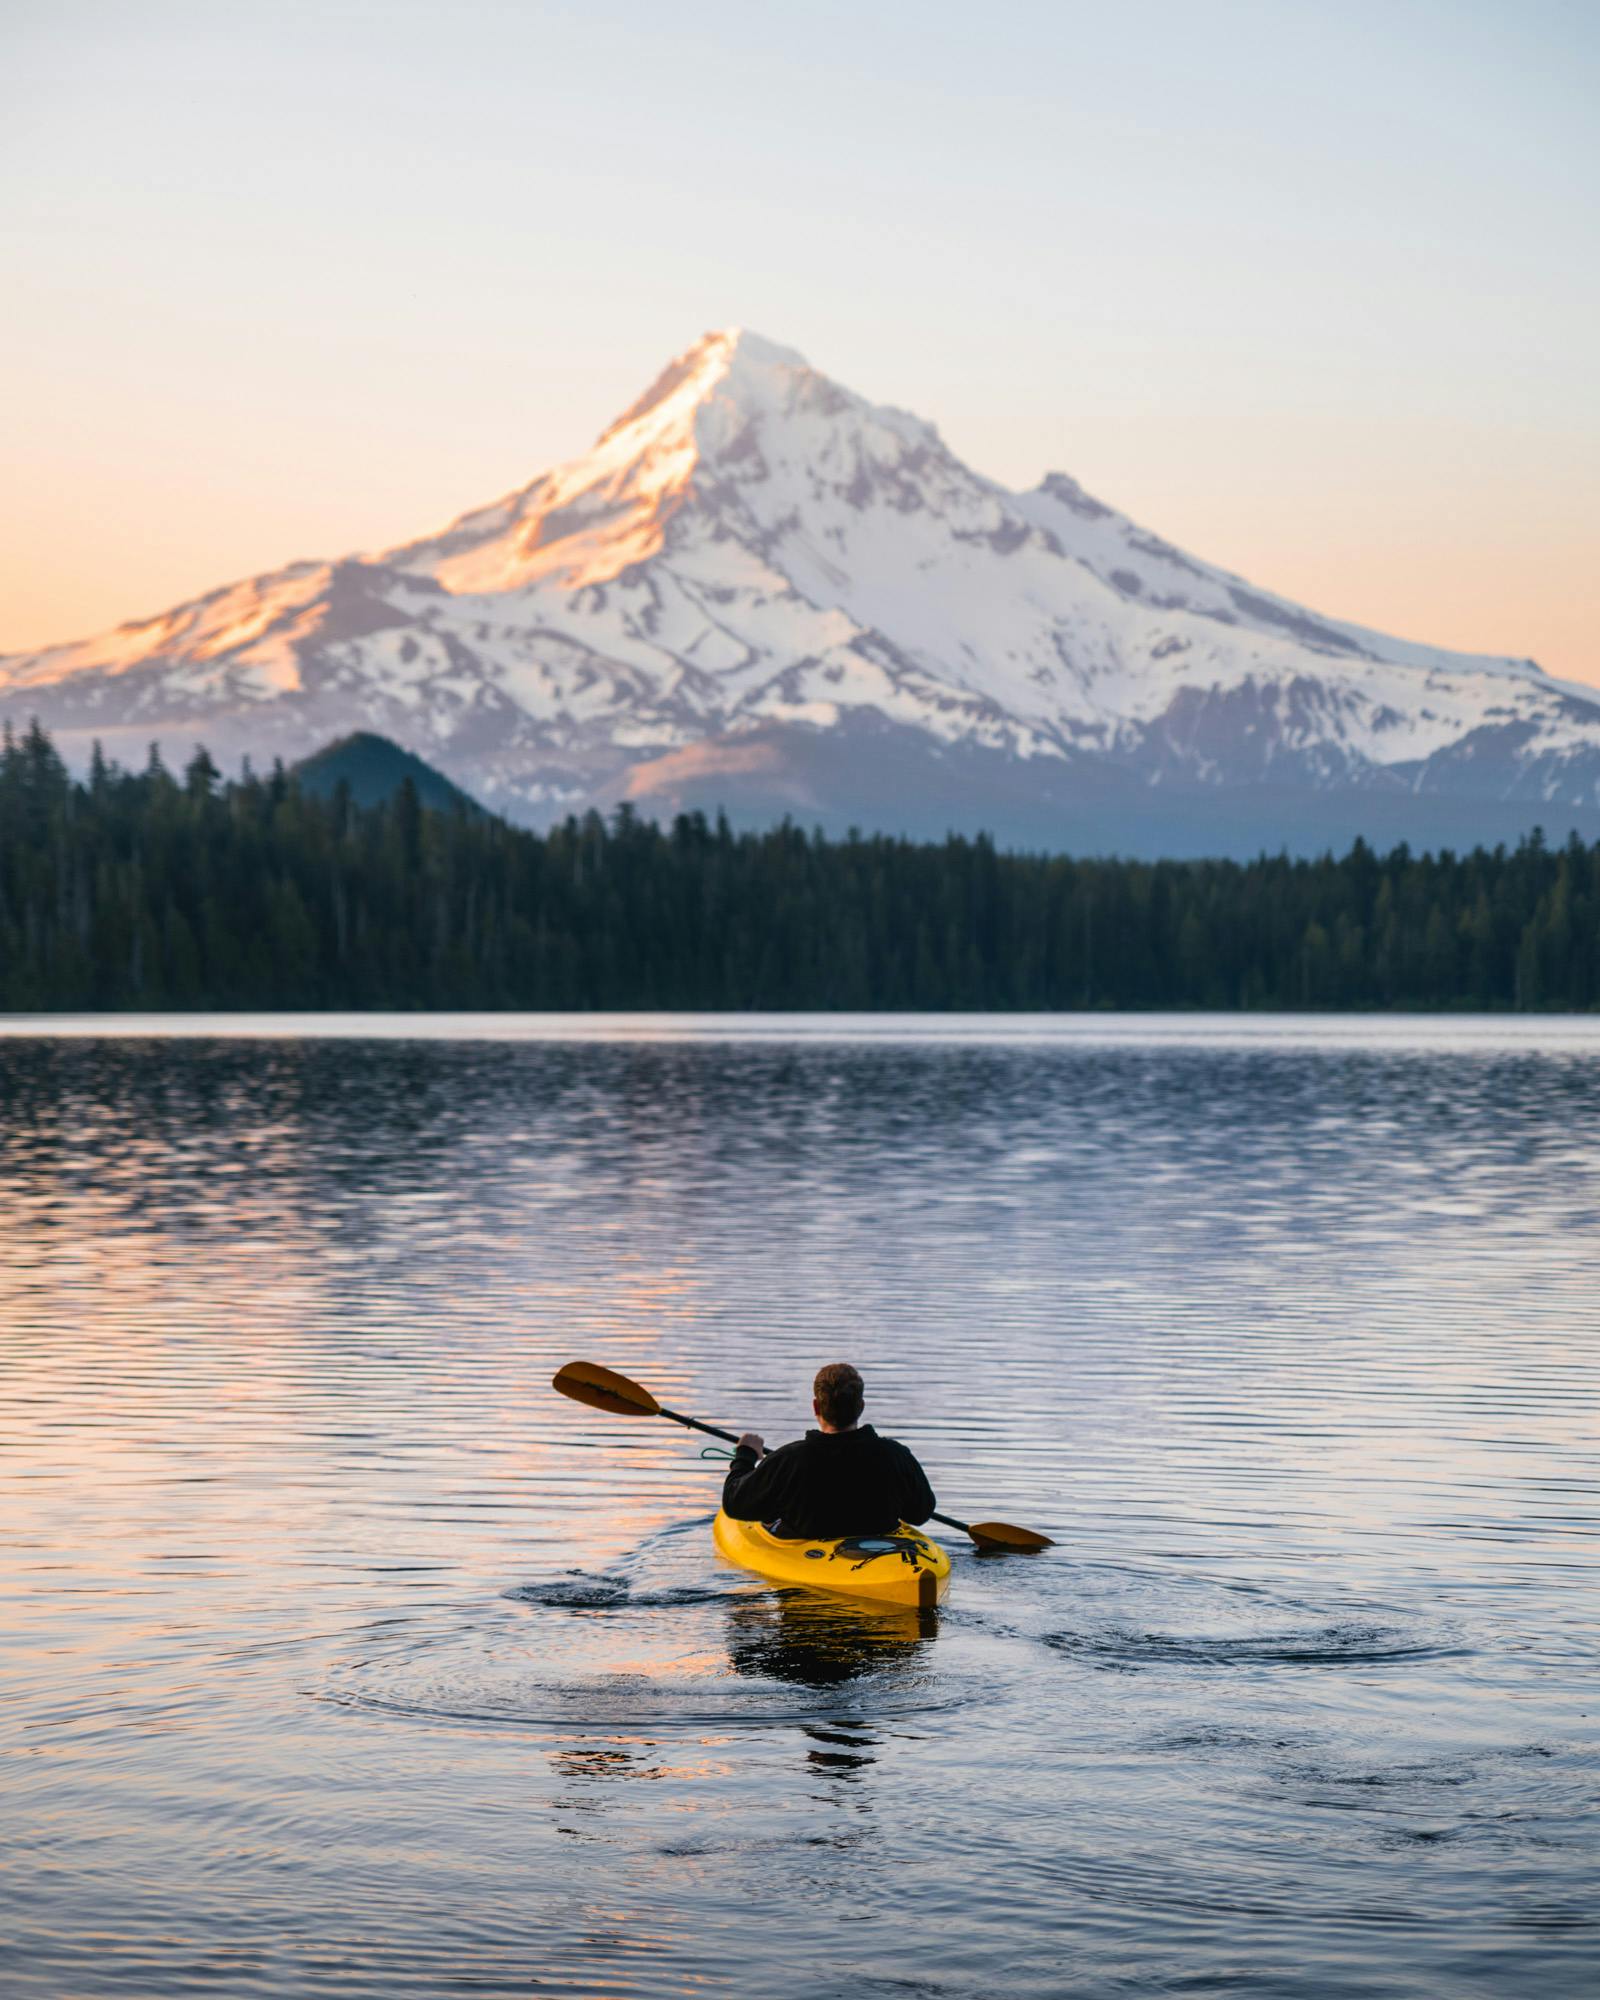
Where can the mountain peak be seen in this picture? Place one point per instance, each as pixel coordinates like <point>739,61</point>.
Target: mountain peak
<point>602,513</point>
<point>759,579</point>
<point>745,345</point>
<point>731,354</point>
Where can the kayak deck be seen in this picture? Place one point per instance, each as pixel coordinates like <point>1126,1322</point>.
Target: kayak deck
<point>903,1568</point>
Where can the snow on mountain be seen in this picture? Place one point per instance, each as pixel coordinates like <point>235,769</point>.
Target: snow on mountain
<point>759,589</point>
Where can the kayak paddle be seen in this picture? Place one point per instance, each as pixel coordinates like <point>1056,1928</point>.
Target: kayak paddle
<point>604,1389</point>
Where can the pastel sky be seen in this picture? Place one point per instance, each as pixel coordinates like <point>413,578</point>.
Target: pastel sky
<point>1310,289</point>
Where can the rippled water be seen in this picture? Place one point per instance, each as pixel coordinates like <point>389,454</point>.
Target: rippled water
<point>341,1657</point>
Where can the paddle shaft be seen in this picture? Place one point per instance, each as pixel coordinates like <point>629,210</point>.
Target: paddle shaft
<point>694,1424</point>
<point>732,1437</point>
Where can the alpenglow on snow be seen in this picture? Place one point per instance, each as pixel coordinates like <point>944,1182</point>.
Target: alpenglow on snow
<point>759,591</point>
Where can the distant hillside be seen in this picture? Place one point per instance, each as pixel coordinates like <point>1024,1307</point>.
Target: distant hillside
<point>160,889</point>
<point>375,769</point>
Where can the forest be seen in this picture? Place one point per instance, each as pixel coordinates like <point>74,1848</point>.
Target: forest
<point>151,889</point>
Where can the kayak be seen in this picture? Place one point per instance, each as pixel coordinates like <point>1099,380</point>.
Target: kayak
<point>904,1568</point>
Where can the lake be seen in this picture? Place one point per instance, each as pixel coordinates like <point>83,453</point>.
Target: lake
<point>342,1657</point>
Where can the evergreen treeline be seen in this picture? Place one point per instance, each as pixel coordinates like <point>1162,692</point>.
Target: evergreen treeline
<point>149,890</point>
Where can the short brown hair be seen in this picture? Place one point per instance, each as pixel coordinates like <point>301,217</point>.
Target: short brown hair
<point>840,1394</point>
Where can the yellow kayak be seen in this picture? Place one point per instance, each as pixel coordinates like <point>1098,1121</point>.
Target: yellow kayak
<point>903,1568</point>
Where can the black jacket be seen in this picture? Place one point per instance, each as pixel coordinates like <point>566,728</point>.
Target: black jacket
<point>829,1483</point>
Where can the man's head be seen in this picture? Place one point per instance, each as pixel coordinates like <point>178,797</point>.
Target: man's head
<point>837,1396</point>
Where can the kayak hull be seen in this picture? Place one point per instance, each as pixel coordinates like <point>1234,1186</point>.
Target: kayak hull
<point>904,1568</point>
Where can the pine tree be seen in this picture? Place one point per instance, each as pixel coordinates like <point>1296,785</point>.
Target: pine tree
<point>136,890</point>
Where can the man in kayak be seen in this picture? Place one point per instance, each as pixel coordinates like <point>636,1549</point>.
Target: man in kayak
<point>840,1479</point>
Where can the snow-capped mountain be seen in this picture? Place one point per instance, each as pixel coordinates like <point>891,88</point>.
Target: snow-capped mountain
<point>759,590</point>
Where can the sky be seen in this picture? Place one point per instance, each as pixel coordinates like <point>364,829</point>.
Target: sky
<point>1311,290</point>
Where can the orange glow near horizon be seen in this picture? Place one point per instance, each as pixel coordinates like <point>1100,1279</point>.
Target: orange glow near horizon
<point>1314,304</point>
<point>1503,569</point>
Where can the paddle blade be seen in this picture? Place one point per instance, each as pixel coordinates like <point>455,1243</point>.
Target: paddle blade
<point>604,1389</point>
<point>1001,1535</point>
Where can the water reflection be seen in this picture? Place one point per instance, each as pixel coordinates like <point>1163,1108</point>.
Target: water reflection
<point>600,1762</point>
<point>845,1754</point>
<point>811,1641</point>
<point>413,1678</point>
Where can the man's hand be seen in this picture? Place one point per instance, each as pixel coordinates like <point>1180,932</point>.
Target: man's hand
<point>751,1441</point>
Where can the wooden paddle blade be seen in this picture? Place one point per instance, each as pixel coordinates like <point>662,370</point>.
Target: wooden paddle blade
<point>604,1389</point>
<point>1001,1535</point>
